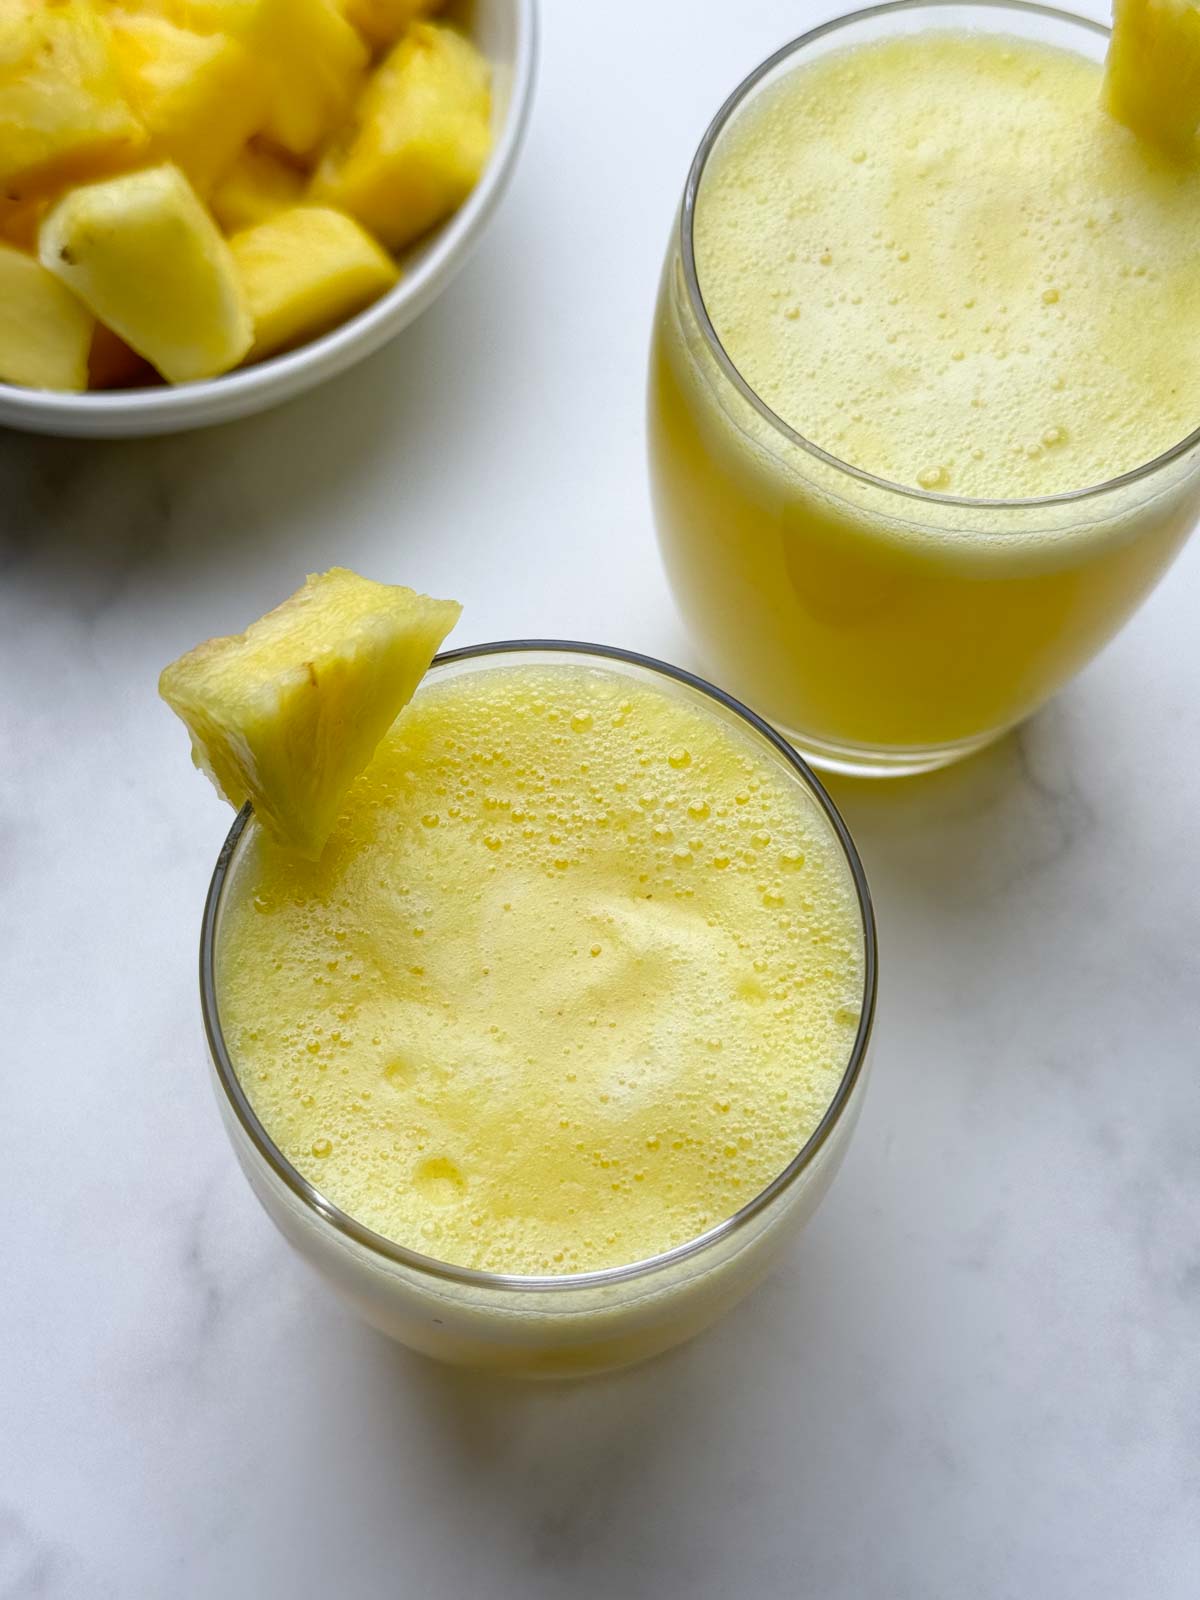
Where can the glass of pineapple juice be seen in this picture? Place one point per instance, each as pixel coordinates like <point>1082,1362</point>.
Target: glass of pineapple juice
<point>885,627</point>
<point>569,1324</point>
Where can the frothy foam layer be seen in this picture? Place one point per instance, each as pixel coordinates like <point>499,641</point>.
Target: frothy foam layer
<point>578,974</point>
<point>940,260</point>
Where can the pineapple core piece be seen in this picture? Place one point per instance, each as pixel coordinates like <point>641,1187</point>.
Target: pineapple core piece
<point>1152,73</point>
<point>146,257</point>
<point>45,334</point>
<point>418,139</point>
<point>287,714</point>
<point>304,270</point>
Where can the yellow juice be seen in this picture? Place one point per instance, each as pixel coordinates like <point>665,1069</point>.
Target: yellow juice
<point>579,973</point>
<point>936,259</point>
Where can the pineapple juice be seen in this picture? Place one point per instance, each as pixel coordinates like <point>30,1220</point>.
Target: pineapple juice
<point>577,975</point>
<point>935,257</point>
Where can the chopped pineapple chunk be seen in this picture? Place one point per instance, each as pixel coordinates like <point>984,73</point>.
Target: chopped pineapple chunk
<point>146,257</point>
<point>44,331</point>
<point>201,16</point>
<point>63,116</point>
<point>200,96</point>
<point>318,61</point>
<point>381,22</point>
<point>304,270</point>
<point>257,185</point>
<point>288,714</point>
<point>121,120</point>
<point>1152,74</point>
<point>314,57</point>
<point>418,140</point>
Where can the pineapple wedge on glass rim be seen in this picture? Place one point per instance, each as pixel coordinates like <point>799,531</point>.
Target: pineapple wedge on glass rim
<point>287,714</point>
<point>1152,72</point>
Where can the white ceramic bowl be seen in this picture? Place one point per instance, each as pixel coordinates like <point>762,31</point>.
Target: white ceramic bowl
<point>506,32</point>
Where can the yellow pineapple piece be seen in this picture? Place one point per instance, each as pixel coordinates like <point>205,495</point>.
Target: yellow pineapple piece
<point>44,331</point>
<point>381,22</point>
<point>63,116</point>
<point>418,140</point>
<point>315,59</point>
<point>1152,73</point>
<point>199,16</point>
<point>256,186</point>
<point>318,61</point>
<point>200,96</point>
<point>146,257</point>
<point>288,714</point>
<point>304,270</point>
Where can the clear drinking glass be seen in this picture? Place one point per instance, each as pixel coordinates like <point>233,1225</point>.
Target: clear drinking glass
<point>552,1326</point>
<point>884,629</point>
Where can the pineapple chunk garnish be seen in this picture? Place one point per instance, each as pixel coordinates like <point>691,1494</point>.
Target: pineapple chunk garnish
<point>381,22</point>
<point>418,140</point>
<point>1152,73</point>
<point>304,270</point>
<point>63,116</point>
<point>256,186</point>
<point>287,714</point>
<point>146,258</point>
<point>200,96</point>
<point>45,333</point>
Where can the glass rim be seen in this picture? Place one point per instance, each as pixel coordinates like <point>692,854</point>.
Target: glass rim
<point>390,1250</point>
<point>724,360</point>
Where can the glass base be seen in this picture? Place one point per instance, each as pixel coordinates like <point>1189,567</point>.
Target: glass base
<point>856,761</point>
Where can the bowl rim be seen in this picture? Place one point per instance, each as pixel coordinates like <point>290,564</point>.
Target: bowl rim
<point>356,1233</point>
<point>244,390</point>
<point>684,240</point>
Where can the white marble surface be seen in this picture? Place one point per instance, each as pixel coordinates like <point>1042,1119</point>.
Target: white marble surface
<point>976,1375</point>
